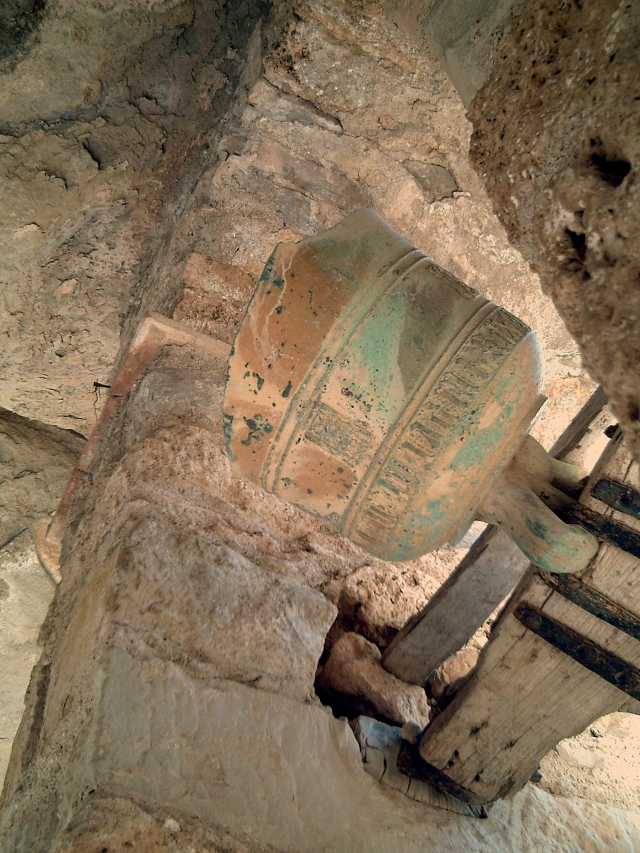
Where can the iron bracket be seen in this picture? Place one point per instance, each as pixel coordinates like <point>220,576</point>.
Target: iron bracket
<point>623,675</point>
<point>606,664</point>
<point>618,496</point>
<point>602,526</point>
<point>593,602</point>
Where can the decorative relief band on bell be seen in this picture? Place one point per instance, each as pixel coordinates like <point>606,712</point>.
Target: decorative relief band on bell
<point>343,437</point>
<point>375,518</point>
<point>374,390</point>
<point>300,405</point>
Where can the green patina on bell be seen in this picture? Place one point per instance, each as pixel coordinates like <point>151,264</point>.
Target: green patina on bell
<point>376,391</point>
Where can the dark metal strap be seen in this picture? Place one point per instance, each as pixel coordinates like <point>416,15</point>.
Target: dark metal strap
<point>623,675</point>
<point>617,534</point>
<point>411,763</point>
<point>594,602</point>
<point>618,496</point>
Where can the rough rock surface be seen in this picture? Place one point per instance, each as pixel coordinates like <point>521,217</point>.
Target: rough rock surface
<point>35,463</point>
<point>219,613</point>
<point>378,599</point>
<point>600,764</point>
<point>453,673</point>
<point>557,141</point>
<point>354,668</point>
<point>97,154</point>
<point>268,769</point>
<point>119,825</point>
<point>18,19</point>
<point>25,595</point>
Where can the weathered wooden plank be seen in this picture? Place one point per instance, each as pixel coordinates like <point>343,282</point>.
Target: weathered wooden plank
<point>482,580</point>
<point>526,695</point>
<point>620,497</point>
<point>491,742</point>
<point>575,432</point>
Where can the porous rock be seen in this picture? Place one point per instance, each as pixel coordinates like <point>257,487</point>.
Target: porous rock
<point>354,668</point>
<point>212,606</point>
<point>116,824</point>
<point>35,463</point>
<point>599,764</point>
<point>376,600</point>
<point>282,774</point>
<point>557,141</point>
<point>450,676</point>
<point>25,595</point>
<point>106,111</point>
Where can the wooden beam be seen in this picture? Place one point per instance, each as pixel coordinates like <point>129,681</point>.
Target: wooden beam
<point>577,429</point>
<point>526,695</point>
<point>481,581</point>
<point>484,578</point>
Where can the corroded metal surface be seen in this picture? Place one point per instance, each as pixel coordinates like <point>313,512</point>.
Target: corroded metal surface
<point>592,600</point>
<point>376,391</point>
<point>618,496</point>
<point>618,534</point>
<point>622,674</point>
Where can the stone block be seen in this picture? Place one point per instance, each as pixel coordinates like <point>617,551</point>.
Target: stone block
<point>283,107</point>
<point>290,775</point>
<point>25,594</point>
<point>453,673</point>
<point>199,602</point>
<point>354,668</point>
<point>308,176</point>
<point>35,463</point>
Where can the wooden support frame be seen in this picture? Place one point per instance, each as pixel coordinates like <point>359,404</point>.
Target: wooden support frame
<point>526,694</point>
<point>481,581</point>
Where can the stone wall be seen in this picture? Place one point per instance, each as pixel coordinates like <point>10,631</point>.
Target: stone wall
<point>108,110</point>
<point>36,461</point>
<point>173,707</point>
<point>556,139</point>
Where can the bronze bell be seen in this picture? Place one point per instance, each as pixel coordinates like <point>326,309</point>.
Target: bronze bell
<point>379,393</point>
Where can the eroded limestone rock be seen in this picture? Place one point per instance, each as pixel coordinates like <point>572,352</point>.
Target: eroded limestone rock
<point>195,600</point>
<point>35,463</point>
<point>376,600</point>
<point>106,115</point>
<point>453,673</point>
<point>241,770</point>
<point>25,595</point>
<point>598,764</point>
<point>117,824</point>
<point>557,140</point>
<point>354,668</point>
